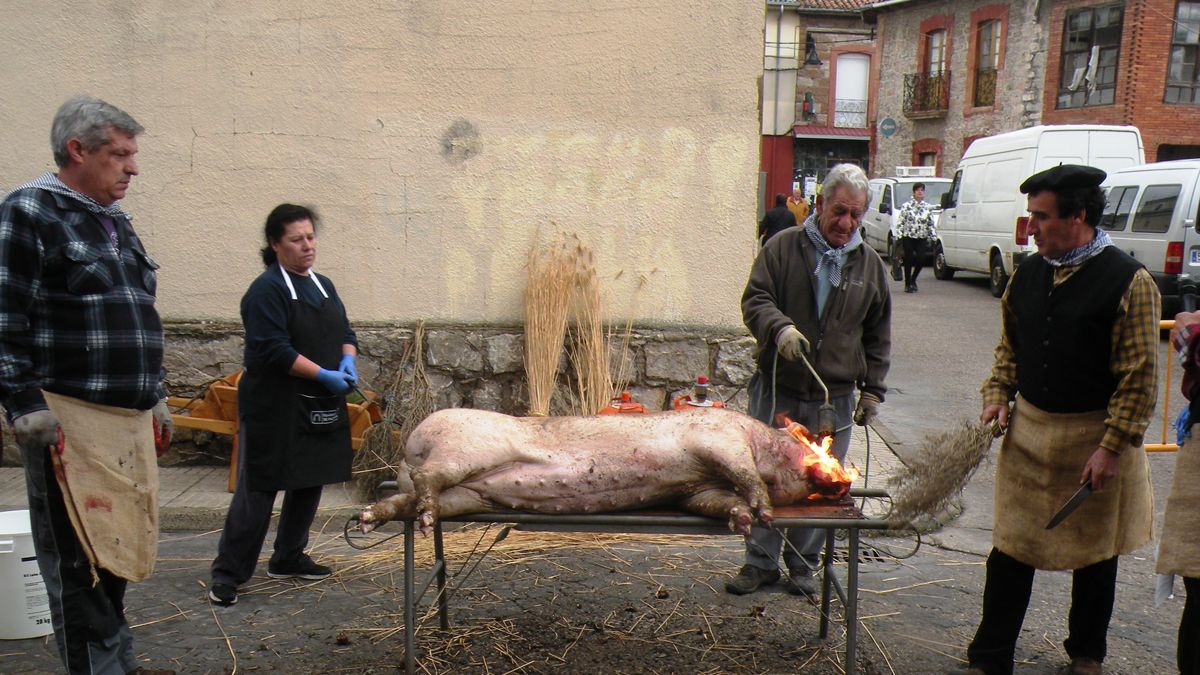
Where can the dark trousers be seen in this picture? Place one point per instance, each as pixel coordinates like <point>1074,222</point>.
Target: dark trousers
<point>1188,651</point>
<point>88,620</point>
<point>1006,597</point>
<point>914,258</point>
<point>247,523</point>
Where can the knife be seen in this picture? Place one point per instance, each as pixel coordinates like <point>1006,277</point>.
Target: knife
<point>1073,503</point>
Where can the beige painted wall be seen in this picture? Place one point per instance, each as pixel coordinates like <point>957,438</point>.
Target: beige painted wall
<point>435,138</point>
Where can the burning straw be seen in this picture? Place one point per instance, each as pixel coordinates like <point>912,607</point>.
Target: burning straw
<point>409,400</point>
<point>927,484</point>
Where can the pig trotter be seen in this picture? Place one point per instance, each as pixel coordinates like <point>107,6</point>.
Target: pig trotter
<point>740,520</point>
<point>385,510</point>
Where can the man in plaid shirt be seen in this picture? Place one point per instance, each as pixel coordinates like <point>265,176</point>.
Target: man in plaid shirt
<point>78,323</point>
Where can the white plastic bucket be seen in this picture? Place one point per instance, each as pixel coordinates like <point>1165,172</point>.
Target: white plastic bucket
<point>24,607</point>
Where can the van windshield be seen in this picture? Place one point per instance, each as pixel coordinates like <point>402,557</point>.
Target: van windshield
<point>934,192</point>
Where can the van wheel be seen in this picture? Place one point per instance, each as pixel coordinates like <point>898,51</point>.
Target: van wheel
<point>998,277</point>
<point>894,259</point>
<point>941,271</point>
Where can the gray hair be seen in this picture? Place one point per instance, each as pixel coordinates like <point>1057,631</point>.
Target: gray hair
<point>845,175</point>
<point>90,120</point>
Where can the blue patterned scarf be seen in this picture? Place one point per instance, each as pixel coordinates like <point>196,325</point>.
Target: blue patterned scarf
<point>830,258</point>
<point>1083,253</point>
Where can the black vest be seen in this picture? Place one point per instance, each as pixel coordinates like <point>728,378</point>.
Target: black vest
<point>1063,341</point>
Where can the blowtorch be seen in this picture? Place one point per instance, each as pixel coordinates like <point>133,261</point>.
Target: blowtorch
<point>826,416</point>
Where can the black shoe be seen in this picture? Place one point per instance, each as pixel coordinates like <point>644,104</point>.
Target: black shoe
<point>909,288</point>
<point>750,579</point>
<point>222,594</point>
<point>800,583</point>
<point>302,568</point>
<point>914,286</point>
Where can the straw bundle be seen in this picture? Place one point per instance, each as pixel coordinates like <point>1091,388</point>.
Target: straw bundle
<point>926,485</point>
<point>552,276</point>
<point>589,350</point>
<point>409,400</point>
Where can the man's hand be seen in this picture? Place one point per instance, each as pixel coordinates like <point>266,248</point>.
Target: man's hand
<point>336,382</point>
<point>997,412</point>
<point>867,410</point>
<point>164,425</point>
<point>1103,468</point>
<point>792,343</point>
<point>36,430</point>
<point>1185,325</point>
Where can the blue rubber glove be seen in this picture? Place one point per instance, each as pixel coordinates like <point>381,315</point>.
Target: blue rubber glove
<point>347,367</point>
<point>1183,431</point>
<point>336,382</point>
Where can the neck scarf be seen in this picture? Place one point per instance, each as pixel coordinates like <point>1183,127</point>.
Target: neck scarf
<point>830,258</point>
<point>51,183</point>
<point>1083,253</point>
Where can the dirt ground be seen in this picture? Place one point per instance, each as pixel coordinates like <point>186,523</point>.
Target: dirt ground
<point>554,602</point>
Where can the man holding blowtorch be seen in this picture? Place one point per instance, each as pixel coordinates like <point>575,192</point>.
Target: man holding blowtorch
<point>1077,355</point>
<point>817,300</point>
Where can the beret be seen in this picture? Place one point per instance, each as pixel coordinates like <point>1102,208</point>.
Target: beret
<point>1062,178</point>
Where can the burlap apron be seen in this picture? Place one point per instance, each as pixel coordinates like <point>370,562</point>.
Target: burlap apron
<point>108,472</point>
<point>1038,470</point>
<point>1179,551</point>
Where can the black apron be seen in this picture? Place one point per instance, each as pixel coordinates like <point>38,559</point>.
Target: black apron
<point>297,433</point>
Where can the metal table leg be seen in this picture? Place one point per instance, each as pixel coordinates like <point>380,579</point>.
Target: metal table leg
<point>410,662</point>
<point>439,564</point>
<point>826,584</point>
<point>852,604</point>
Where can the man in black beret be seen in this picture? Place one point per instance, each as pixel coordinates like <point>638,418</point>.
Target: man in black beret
<point>1076,363</point>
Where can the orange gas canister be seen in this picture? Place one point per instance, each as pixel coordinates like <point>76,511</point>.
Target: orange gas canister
<point>699,397</point>
<point>623,404</point>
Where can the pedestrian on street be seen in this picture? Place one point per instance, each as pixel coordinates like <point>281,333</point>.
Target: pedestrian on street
<point>293,425</point>
<point>1179,550</point>
<point>815,293</point>
<point>1077,363</point>
<point>914,224</point>
<point>798,205</point>
<point>776,219</point>
<point>81,353</point>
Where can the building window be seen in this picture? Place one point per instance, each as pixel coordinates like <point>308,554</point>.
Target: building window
<point>1091,45</point>
<point>987,63</point>
<point>935,53</point>
<point>927,152</point>
<point>1183,75</point>
<point>850,90</point>
<point>927,159</point>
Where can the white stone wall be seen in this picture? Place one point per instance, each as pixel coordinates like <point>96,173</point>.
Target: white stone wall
<point>437,140</point>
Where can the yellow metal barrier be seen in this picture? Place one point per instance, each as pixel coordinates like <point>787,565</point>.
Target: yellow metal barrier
<point>1166,411</point>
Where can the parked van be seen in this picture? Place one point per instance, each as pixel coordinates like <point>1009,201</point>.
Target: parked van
<point>1151,214</point>
<point>984,219</point>
<point>884,200</point>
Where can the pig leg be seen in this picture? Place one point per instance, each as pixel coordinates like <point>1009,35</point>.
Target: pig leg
<point>716,503</point>
<point>387,509</point>
<point>745,480</point>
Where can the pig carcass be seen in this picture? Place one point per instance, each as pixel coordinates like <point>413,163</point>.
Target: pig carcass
<point>712,462</point>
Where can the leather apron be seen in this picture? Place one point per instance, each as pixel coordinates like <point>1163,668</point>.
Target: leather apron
<point>297,434</point>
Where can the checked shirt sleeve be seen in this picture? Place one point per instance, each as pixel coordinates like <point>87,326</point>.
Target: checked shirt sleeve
<point>1134,364</point>
<point>20,279</point>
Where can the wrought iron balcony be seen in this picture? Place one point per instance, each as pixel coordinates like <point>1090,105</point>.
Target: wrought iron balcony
<point>985,88</point>
<point>926,95</point>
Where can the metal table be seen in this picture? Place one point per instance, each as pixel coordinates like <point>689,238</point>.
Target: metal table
<point>829,516</point>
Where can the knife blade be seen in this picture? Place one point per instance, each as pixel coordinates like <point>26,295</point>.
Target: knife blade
<point>1073,503</point>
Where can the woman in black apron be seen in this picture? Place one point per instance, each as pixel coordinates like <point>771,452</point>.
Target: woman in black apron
<point>293,433</point>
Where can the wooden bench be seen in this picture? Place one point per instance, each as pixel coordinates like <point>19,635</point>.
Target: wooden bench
<point>217,412</point>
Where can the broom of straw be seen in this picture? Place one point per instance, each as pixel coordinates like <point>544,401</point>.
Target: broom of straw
<point>589,351</point>
<point>926,485</point>
<point>547,298</point>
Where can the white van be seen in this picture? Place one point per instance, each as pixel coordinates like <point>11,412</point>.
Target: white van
<point>1151,214</point>
<point>884,200</point>
<point>982,228</point>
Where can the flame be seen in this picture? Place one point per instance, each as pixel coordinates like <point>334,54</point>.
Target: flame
<point>829,480</point>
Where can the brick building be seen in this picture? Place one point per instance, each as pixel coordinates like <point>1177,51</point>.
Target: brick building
<point>818,89</point>
<point>950,72</point>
